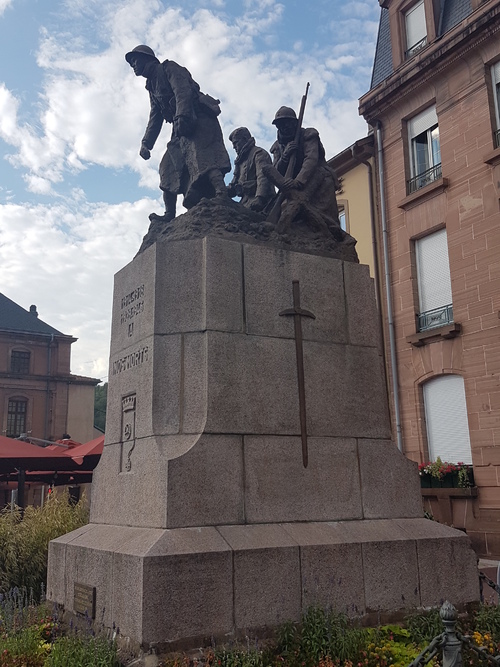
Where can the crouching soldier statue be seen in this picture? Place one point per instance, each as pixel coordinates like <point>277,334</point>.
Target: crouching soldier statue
<point>249,181</point>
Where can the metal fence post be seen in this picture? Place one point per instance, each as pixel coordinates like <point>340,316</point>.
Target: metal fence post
<point>452,648</point>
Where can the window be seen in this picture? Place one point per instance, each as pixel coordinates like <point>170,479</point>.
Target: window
<point>434,282</point>
<point>416,30</point>
<point>343,217</point>
<point>16,417</point>
<point>495,75</point>
<point>425,150</point>
<point>19,362</point>
<point>446,419</point>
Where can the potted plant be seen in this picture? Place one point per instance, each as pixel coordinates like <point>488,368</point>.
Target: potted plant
<point>442,474</point>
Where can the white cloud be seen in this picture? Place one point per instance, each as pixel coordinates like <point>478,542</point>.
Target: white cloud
<point>3,5</point>
<point>63,260</point>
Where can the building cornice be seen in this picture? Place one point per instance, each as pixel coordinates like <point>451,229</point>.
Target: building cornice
<point>477,28</point>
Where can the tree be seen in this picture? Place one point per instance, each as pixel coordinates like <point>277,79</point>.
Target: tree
<point>101,397</point>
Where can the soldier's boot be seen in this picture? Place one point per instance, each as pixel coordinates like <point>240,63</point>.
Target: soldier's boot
<point>217,181</point>
<point>170,199</point>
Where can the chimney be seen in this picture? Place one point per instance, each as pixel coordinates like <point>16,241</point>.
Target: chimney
<point>33,311</point>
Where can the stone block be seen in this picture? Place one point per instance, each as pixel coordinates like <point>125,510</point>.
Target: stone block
<point>363,319</point>
<point>142,490</point>
<point>391,575</point>
<point>165,402</point>
<point>131,374</point>
<point>446,561</point>
<point>187,586</point>
<point>193,394</point>
<point>389,481</point>
<point>279,488</point>
<point>268,291</point>
<point>448,571</point>
<point>252,385</point>
<point>180,287</point>
<point>331,569</point>
<point>224,285</point>
<point>134,298</point>
<point>345,392</point>
<point>205,485</point>
<point>267,589</point>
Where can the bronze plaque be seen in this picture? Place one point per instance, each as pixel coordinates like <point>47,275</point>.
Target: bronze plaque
<point>84,600</point>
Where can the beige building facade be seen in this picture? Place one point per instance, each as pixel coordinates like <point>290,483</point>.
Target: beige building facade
<point>39,396</point>
<point>434,109</point>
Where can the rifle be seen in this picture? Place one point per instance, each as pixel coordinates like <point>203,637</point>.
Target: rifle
<point>275,213</point>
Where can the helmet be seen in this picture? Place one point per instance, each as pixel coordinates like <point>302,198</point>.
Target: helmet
<point>142,48</point>
<point>240,132</point>
<point>284,112</point>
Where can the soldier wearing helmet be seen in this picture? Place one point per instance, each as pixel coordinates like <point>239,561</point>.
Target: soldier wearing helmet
<point>196,159</point>
<point>249,181</point>
<point>310,191</point>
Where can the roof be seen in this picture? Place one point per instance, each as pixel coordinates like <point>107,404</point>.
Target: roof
<point>15,318</point>
<point>452,13</point>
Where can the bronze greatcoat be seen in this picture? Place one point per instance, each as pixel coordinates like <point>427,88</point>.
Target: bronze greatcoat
<point>188,159</point>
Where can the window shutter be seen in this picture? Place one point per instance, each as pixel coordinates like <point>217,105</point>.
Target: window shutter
<point>424,121</point>
<point>433,271</point>
<point>416,29</point>
<point>446,419</point>
<point>495,73</point>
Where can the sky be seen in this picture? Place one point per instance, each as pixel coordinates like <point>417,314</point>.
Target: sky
<point>75,195</point>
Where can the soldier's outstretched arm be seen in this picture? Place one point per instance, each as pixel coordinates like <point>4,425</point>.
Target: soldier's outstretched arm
<point>153,128</point>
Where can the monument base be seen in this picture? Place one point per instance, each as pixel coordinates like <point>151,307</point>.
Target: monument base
<point>180,587</point>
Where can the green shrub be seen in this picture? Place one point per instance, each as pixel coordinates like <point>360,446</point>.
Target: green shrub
<point>25,540</point>
<point>423,627</point>
<point>322,634</point>
<point>84,651</point>
<point>487,621</point>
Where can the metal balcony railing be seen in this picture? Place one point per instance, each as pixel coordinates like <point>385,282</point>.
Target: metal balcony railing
<point>437,317</point>
<point>423,179</point>
<point>496,138</point>
<point>416,47</point>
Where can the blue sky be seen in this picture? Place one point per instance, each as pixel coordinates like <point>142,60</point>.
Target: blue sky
<point>74,193</point>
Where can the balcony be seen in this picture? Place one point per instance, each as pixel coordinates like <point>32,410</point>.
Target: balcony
<point>438,317</point>
<point>415,48</point>
<point>423,179</point>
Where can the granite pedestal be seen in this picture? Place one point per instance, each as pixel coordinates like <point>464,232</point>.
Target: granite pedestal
<point>204,520</point>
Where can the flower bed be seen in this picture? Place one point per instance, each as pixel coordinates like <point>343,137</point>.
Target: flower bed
<point>441,474</point>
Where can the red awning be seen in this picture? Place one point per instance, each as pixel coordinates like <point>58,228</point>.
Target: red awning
<point>88,451</point>
<point>15,454</point>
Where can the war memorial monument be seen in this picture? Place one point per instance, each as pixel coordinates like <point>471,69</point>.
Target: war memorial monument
<point>248,470</point>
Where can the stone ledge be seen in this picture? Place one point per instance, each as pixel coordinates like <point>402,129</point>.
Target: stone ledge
<point>470,492</point>
<point>431,335</point>
<point>434,188</point>
<point>493,157</point>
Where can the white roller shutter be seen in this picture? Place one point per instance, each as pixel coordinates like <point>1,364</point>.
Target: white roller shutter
<point>433,271</point>
<point>495,75</point>
<point>424,121</point>
<point>416,29</point>
<point>446,419</point>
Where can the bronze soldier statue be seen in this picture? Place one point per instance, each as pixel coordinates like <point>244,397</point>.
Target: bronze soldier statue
<point>249,181</point>
<point>309,194</point>
<point>196,159</point>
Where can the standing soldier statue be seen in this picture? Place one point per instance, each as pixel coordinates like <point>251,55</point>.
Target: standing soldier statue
<point>196,160</point>
<point>249,181</point>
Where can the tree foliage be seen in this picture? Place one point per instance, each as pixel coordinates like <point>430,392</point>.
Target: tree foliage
<point>100,401</point>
